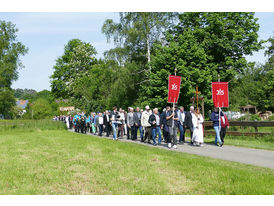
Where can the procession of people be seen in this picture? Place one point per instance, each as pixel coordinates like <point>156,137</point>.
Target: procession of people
<point>149,125</point>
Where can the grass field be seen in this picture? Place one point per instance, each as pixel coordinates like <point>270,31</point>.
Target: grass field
<point>266,142</point>
<point>51,160</point>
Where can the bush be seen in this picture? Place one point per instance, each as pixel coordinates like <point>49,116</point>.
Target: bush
<point>271,118</point>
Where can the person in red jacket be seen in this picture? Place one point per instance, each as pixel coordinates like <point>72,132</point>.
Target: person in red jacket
<point>224,125</point>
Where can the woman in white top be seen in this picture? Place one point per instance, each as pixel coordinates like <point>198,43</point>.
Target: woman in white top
<point>198,133</point>
<point>67,121</point>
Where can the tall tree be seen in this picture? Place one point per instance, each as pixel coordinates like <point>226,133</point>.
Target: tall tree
<point>10,52</point>
<point>76,61</point>
<point>137,31</point>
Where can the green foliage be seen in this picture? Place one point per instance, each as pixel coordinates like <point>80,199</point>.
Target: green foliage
<point>134,36</point>
<point>10,51</point>
<point>75,63</point>
<point>17,112</point>
<point>40,109</point>
<point>26,94</point>
<point>256,85</point>
<point>271,118</point>
<point>7,102</point>
<point>200,47</point>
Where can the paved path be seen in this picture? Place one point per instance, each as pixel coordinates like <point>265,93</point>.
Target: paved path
<point>257,157</point>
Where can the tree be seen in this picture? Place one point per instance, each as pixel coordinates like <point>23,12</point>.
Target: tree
<point>201,46</point>
<point>10,51</point>
<point>76,61</point>
<point>268,84</point>
<point>7,102</point>
<point>41,109</point>
<point>255,85</point>
<point>136,33</point>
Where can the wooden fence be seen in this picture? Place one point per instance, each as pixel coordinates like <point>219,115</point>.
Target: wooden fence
<point>254,124</point>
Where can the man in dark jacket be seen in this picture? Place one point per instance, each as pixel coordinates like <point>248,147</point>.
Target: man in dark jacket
<point>164,123</point>
<point>137,122</point>
<point>107,123</point>
<point>188,122</point>
<point>155,122</point>
<point>172,123</point>
<point>216,125</point>
<point>130,124</point>
<point>181,116</point>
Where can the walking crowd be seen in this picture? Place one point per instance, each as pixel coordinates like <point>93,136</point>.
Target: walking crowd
<point>151,124</point>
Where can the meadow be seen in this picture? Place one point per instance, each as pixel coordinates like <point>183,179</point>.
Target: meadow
<point>47,159</point>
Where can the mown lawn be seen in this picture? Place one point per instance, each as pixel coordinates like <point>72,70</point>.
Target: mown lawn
<point>60,162</point>
<point>266,142</point>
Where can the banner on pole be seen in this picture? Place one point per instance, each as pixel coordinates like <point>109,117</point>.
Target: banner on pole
<point>220,94</point>
<point>174,84</point>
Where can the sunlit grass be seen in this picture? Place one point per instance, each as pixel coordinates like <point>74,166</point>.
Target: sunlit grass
<point>61,162</point>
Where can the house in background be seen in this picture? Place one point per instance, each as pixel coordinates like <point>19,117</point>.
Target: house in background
<point>23,104</point>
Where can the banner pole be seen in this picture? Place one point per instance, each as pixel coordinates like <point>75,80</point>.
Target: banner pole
<point>219,111</point>
<point>174,102</point>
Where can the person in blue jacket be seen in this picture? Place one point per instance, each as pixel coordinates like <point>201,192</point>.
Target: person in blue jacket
<point>216,125</point>
<point>88,124</point>
<point>76,120</point>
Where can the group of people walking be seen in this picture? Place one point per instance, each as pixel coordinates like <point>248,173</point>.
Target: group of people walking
<point>151,125</point>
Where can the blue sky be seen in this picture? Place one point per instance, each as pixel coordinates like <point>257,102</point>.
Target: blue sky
<point>45,34</point>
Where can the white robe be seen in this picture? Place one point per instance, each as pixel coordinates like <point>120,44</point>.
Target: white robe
<point>198,134</point>
<point>67,122</point>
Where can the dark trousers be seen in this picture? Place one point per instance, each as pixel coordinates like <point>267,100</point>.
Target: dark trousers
<point>191,132</point>
<point>172,135</point>
<point>141,132</point>
<point>108,129</point>
<point>131,132</point>
<point>182,132</point>
<point>120,130</point>
<point>100,129</point>
<point>77,127</point>
<point>147,134</point>
<point>165,134</point>
<point>222,133</point>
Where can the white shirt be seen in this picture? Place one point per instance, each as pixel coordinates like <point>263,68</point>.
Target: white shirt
<point>157,119</point>
<point>100,120</point>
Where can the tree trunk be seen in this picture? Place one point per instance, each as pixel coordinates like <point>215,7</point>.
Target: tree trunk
<point>148,53</point>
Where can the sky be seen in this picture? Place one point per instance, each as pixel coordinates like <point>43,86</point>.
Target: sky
<point>45,34</point>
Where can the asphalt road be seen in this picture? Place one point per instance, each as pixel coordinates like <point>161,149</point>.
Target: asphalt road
<point>257,157</point>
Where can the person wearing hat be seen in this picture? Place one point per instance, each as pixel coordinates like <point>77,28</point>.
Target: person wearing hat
<point>145,124</point>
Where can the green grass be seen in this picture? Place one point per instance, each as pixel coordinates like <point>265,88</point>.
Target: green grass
<point>30,125</point>
<point>266,142</point>
<point>61,162</point>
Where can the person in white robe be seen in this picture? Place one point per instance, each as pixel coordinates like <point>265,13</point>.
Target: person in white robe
<point>67,121</point>
<point>198,133</point>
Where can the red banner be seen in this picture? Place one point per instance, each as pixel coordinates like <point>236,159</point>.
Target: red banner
<point>220,94</point>
<point>174,84</point>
